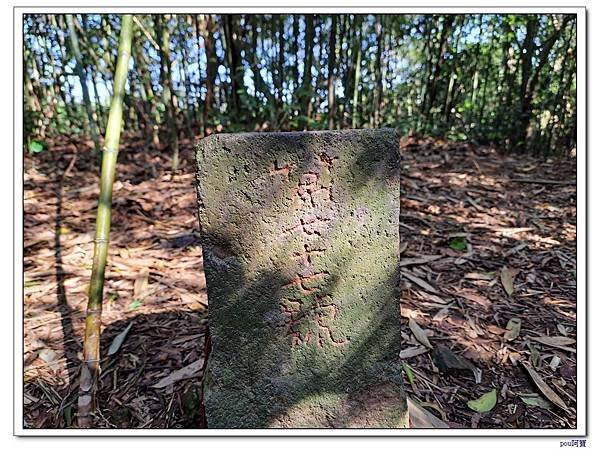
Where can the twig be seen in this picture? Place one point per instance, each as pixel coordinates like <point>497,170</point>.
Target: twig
<point>540,181</point>
<point>152,41</point>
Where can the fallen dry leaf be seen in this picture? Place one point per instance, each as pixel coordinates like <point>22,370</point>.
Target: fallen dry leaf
<point>555,362</point>
<point>535,400</point>
<point>118,340</point>
<point>507,276</point>
<point>420,260</point>
<point>141,283</point>
<point>555,341</point>
<point>413,351</point>
<point>513,328</point>
<point>478,276</point>
<point>446,360</point>
<point>419,282</point>
<point>543,387</point>
<point>419,417</point>
<point>190,371</point>
<point>419,333</point>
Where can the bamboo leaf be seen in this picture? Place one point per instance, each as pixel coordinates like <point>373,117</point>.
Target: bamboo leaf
<point>412,351</point>
<point>507,276</point>
<point>555,341</point>
<point>535,400</point>
<point>421,260</point>
<point>190,371</point>
<point>134,305</point>
<point>544,388</point>
<point>419,333</point>
<point>409,374</point>
<point>513,328</point>
<point>118,340</point>
<point>421,418</point>
<point>484,403</point>
<point>141,283</point>
<point>434,407</point>
<point>419,282</point>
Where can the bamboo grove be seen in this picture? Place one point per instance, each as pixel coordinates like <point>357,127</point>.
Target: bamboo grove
<point>506,79</point>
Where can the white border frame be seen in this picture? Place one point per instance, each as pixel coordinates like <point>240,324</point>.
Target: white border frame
<point>582,404</point>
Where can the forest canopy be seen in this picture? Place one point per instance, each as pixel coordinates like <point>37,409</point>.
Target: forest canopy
<point>503,79</point>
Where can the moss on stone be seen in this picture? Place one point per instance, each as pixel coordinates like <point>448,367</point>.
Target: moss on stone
<point>300,239</point>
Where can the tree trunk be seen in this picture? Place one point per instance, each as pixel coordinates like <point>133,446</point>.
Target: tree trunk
<point>198,34</point>
<point>169,97</point>
<point>306,97</point>
<point>234,58</point>
<point>280,66</point>
<point>295,66</point>
<point>83,81</point>
<point>357,70</point>
<point>432,86</point>
<point>331,57</point>
<point>211,70</point>
<point>378,76</point>
<point>530,76</point>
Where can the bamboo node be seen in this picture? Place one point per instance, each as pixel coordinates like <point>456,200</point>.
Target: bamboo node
<point>110,150</point>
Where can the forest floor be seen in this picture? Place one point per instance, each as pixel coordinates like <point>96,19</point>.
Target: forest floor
<point>483,253</point>
<point>469,234</point>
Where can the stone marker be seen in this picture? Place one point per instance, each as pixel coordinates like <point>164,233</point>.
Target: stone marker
<point>301,249</point>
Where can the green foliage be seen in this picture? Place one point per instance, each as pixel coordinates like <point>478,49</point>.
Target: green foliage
<point>484,403</point>
<point>35,147</point>
<point>135,304</point>
<point>458,243</point>
<point>460,77</point>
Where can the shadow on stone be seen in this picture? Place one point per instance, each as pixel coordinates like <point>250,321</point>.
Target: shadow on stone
<point>300,241</point>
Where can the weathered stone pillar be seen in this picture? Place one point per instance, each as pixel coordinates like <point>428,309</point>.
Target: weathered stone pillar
<point>300,241</point>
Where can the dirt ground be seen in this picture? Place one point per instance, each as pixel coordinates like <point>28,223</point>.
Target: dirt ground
<point>469,233</point>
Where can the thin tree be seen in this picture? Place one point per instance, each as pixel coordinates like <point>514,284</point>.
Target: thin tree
<point>91,345</point>
<point>83,80</point>
<point>377,89</point>
<point>331,57</point>
<point>169,95</point>
<point>530,73</point>
<point>306,90</point>
<point>357,70</point>
<point>211,69</point>
<point>280,66</point>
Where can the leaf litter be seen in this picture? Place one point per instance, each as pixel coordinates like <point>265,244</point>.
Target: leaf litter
<point>155,228</point>
<point>154,317</point>
<point>511,290</point>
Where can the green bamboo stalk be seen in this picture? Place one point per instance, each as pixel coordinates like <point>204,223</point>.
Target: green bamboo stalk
<point>91,345</point>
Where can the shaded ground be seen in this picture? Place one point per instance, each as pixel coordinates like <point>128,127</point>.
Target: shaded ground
<point>462,222</point>
<point>453,196</point>
<point>154,281</point>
